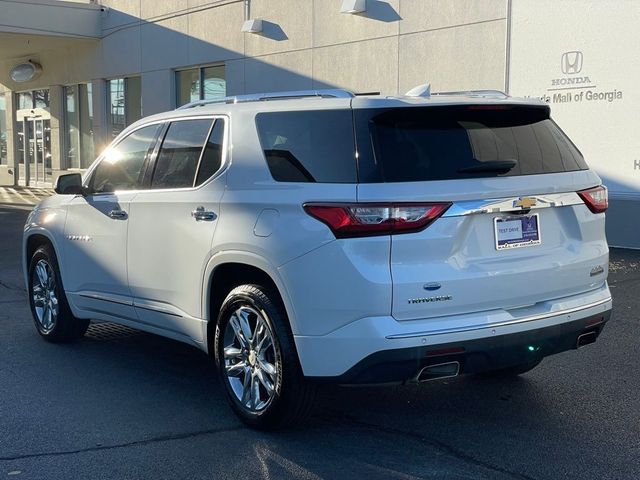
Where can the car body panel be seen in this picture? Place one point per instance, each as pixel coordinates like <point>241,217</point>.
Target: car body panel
<point>345,298</point>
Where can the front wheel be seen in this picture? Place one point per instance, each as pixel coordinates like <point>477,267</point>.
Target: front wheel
<point>257,361</point>
<point>51,313</point>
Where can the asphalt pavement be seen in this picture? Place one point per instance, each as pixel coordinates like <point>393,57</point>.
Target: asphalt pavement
<point>122,404</point>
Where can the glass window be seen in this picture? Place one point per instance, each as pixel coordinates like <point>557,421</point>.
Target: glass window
<point>3,129</point>
<point>25,100</point>
<point>79,125</point>
<point>312,146</point>
<point>41,98</point>
<point>442,143</point>
<point>213,83</point>
<point>187,86</point>
<point>180,153</point>
<point>212,156</point>
<point>122,165</point>
<point>200,84</point>
<point>115,95</point>
<point>125,103</point>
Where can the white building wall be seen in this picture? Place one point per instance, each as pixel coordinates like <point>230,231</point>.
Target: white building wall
<point>595,98</point>
<point>306,44</point>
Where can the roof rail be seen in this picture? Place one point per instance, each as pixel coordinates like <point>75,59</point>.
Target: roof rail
<point>260,97</point>
<point>476,93</point>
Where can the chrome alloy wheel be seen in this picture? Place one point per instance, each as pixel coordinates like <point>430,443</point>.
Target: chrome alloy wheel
<point>250,359</point>
<point>43,295</point>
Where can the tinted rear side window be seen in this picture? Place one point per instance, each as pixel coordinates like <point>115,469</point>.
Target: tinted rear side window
<point>212,156</point>
<point>443,143</point>
<point>314,146</point>
<point>180,153</point>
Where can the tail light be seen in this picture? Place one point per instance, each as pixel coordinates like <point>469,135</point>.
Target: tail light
<point>595,198</point>
<point>367,219</point>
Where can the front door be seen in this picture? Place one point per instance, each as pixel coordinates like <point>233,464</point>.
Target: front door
<point>34,147</point>
<point>96,228</point>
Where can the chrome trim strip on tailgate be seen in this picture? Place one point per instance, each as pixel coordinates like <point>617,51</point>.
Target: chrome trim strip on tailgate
<point>497,324</point>
<point>512,204</point>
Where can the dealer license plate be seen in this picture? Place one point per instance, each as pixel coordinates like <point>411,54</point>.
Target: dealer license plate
<point>516,232</point>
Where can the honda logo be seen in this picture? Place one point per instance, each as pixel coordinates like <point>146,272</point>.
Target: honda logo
<point>571,62</point>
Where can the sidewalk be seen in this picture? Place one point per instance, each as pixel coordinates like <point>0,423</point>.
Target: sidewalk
<point>23,196</point>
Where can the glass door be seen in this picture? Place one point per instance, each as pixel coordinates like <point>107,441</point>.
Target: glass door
<point>34,147</point>
<point>41,140</point>
<point>33,128</point>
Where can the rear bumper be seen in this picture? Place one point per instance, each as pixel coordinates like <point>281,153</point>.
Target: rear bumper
<point>473,356</point>
<point>382,350</point>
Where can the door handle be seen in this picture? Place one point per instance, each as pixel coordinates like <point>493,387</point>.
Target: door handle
<point>201,214</point>
<point>117,214</point>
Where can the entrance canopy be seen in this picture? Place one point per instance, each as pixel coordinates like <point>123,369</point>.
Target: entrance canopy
<point>51,18</point>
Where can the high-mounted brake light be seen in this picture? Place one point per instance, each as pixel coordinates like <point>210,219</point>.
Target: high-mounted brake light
<point>597,198</point>
<point>368,219</point>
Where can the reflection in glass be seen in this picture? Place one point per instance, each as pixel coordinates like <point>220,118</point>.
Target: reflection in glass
<point>121,167</point>
<point>124,100</point>
<point>187,86</point>
<point>115,100</point>
<point>3,130</point>
<point>213,83</point>
<point>41,99</point>
<point>25,100</point>
<point>200,84</point>
<point>79,126</point>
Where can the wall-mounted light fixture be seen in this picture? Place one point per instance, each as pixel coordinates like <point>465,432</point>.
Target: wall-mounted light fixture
<point>26,71</point>
<point>250,25</point>
<point>353,6</point>
<point>253,25</point>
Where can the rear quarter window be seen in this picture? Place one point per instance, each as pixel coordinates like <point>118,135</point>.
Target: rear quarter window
<point>308,146</point>
<point>453,142</point>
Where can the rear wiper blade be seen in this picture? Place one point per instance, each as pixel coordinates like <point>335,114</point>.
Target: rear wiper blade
<point>498,166</point>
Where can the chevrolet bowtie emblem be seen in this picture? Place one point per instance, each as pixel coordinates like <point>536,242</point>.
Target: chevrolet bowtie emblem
<point>525,203</point>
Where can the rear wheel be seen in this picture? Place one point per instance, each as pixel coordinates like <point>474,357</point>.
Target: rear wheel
<point>51,313</point>
<point>257,361</point>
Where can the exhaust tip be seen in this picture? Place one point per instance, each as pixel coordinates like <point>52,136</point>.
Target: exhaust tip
<point>441,370</point>
<point>586,339</point>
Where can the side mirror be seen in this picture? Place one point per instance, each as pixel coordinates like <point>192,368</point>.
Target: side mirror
<point>69,184</point>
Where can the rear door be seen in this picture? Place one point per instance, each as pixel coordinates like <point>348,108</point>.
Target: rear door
<point>516,234</point>
<point>172,223</point>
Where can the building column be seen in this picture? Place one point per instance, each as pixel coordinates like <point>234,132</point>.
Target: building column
<point>56,108</point>
<point>10,176</point>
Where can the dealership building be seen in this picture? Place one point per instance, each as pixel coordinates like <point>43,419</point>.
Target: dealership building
<point>73,74</point>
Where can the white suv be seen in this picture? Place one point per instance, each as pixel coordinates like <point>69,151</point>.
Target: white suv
<point>322,236</point>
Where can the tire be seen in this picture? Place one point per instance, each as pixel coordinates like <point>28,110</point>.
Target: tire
<point>264,356</point>
<point>49,306</point>
<point>513,371</point>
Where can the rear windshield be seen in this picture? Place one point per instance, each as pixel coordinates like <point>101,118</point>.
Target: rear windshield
<point>475,141</point>
<point>309,146</point>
